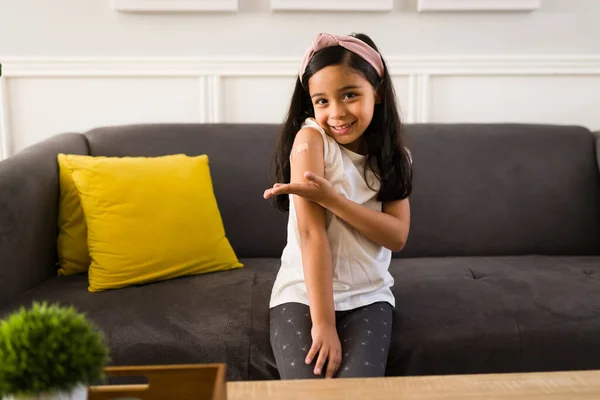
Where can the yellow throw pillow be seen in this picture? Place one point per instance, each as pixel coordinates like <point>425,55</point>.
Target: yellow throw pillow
<point>149,219</point>
<point>72,247</point>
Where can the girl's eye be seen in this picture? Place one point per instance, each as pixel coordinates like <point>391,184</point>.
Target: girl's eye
<point>321,101</point>
<point>350,95</point>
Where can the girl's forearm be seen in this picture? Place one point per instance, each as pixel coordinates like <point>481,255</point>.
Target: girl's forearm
<point>318,275</point>
<point>383,229</point>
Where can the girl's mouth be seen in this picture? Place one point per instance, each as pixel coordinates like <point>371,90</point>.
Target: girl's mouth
<point>342,129</point>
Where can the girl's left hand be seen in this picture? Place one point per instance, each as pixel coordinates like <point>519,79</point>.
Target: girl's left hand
<point>316,189</point>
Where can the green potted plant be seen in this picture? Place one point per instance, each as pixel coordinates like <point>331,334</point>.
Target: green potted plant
<point>49,352</point>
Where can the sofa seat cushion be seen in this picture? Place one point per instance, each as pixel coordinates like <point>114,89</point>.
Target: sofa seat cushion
<point>453,315</point>
<point>495,314</point>
<point>205,318</point>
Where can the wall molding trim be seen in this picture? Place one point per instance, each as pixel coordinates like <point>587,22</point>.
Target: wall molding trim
<point>209,72</point>
<point>175,5</point>
<point>332,5</point>
<point>288,66</point>
<point>5,146</point>
<point>478,5</point>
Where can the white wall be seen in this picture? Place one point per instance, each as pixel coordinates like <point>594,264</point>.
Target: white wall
<point>91,28</point>
<point>76,64</point>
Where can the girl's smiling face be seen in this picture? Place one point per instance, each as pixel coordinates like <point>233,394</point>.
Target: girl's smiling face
<point>343,101</point>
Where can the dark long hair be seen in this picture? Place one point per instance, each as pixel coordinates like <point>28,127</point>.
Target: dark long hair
<point>386,152</point>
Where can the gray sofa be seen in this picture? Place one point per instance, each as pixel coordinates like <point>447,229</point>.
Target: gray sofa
<point>501,271</point>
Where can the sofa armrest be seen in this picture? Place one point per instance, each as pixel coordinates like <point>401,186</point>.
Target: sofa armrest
<point>29,194</point>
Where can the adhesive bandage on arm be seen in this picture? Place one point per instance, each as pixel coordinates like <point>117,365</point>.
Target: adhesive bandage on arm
<point>299,148</point>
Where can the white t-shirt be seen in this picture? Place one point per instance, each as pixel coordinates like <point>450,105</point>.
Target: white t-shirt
<point>360,266</point>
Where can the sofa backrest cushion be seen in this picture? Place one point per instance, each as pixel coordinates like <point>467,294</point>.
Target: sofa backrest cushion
<point>503,189</point>
<point>478,189</point>
<point>239,158</point>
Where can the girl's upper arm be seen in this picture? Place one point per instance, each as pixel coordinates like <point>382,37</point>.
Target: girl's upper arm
<point>307,155</point>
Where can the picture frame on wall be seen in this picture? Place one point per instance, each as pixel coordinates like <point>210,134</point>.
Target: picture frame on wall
<point>478,5</point>
<point>332,5</point>
<point>175,5</point>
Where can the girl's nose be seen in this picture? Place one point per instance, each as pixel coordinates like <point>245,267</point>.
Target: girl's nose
<point>338,111</point>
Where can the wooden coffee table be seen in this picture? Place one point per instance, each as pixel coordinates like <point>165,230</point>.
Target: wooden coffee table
<point>550,385</point>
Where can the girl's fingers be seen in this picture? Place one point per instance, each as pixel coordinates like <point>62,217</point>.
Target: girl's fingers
<point>321,361</point>
<point>333,364</point>
<point>278,188</point>
<point>300,189</point>
<point>314,349</point>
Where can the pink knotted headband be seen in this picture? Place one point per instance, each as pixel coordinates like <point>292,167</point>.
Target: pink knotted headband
<point>323,40</point>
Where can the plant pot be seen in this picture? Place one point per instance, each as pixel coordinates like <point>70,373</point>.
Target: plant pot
<point>79,393</point>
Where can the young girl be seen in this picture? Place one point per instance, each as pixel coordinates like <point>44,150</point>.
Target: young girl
<point>342,161</point>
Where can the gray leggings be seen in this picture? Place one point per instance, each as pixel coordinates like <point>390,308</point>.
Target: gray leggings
<point>364,333</point>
